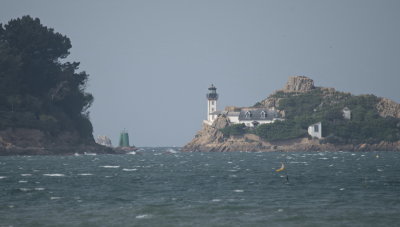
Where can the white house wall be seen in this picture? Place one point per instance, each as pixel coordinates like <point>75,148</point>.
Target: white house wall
<point>313,133</point>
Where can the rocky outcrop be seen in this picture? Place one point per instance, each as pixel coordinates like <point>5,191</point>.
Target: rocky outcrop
<point>104,141</point>
<point>299,84</point>
<point>210,139</point>
<point>388,108</point>
<point>24,141</point>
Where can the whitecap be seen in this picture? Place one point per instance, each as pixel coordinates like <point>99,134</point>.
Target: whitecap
<point>171,151</point>
<point>2,177</point>
<point>216,200</point>
<point>55,197</point>
<point>39,189</point>
<point>129,170</point>
<point>85,174</point>
<point>111,167</point>
<point>54,175</point>
<point>24,189</point>
<point>22,181</point>
<point>342,189</point>
<point>238,190</point>
<point>132,152</point>
<point>141,216</point>
<point>89,153</point>
<point>280,210</point>
<point>26,174</point>
<point>379,170</point>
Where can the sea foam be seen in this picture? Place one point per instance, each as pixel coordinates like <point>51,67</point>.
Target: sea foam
<point>111,167</point>
<point>54,175</point>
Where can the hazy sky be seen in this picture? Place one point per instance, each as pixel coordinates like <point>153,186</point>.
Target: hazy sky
<point>151,62</point>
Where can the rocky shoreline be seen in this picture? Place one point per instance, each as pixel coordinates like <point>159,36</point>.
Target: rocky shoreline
<point>23,141</point>
<point>211,139</point>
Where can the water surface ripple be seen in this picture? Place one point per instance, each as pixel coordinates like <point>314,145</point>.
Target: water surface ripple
<point>162,188</point>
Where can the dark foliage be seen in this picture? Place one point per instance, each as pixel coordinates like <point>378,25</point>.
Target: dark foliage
<point>280,130</point>
<point>36,88</point>
<point>234,130</point>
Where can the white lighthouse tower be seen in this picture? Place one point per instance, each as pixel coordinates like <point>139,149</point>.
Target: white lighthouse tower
<point>212,98</point>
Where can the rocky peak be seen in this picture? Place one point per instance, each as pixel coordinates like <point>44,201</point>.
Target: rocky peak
<point>388,108</point>
<point>299,84</point>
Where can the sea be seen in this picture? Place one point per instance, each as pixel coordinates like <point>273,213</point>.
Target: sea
<point>166,187</point>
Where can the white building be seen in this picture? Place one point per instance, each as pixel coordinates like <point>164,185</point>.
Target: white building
<point>346,112</point>
<point>315,130</point>
<point>251,117</point>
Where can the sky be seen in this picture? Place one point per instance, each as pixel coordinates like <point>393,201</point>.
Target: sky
<point>150,62</point>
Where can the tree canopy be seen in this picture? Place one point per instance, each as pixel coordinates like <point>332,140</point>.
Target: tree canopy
<point>36,83</point>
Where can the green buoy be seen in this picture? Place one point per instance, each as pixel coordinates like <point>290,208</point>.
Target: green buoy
<point>124,139</point>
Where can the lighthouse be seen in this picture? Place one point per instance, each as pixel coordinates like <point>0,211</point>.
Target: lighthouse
<point>212,98</point>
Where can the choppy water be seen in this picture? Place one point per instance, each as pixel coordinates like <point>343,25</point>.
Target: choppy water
<point>159,188</point>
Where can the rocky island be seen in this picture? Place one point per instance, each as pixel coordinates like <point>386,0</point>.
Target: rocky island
<point>346,122</point>
<point>43,103</point>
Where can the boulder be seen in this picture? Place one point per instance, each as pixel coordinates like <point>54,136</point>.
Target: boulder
<point>299,84</point>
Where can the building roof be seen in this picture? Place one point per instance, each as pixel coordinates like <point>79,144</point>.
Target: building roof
<point>226,113</point>
<point>259,114</point>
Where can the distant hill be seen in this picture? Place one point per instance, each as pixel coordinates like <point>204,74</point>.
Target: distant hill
<point>43,102</point>
<point>374,122</point>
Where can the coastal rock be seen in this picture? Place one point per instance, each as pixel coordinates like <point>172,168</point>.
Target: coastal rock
<point>388,108</point>
<point>25,141</point>
<point>104,140</point>
<point>299,84</point>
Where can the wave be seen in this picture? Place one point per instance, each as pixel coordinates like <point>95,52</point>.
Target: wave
<point>141,216</point>
<point>111,167</point>
<point>129,170</point>
<point>24,189</point>
<point>84,174</point>
<point>54,175</point>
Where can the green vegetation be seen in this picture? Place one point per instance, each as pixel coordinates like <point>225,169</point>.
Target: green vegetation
<point>280,130</point>
<point>235,130</point>
<point>37,89</point>
<point>322,105</point>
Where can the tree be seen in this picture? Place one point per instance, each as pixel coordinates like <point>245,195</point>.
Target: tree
<point>33,76</point>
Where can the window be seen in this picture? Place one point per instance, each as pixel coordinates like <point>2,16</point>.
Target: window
<point>248,114</point>
<point>263,114</point>
<point>316,128</point>
<point>212,102</point>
